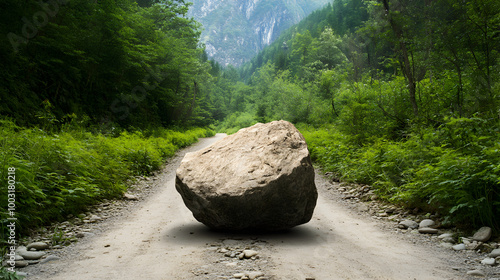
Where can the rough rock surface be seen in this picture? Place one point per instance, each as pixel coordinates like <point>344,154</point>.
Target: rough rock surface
<point>37,246</point>
<point>260,178</point>
<point>495,253</point>
<point>29,255</point>
<point>483,234</point>
<point>409,224</point>
<point>427,223</point>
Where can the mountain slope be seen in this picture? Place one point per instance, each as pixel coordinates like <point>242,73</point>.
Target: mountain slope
<point>235,30</point>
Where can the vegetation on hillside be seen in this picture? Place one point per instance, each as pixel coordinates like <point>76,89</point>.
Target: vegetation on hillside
<point>114,62</point>
<point>400,94</point>
<point>234,31</point>
<point>63,173</point>
<point>403,95</point>
<point>93,93</point>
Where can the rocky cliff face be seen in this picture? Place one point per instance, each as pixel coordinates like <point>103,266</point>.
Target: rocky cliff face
<point>235,30</point>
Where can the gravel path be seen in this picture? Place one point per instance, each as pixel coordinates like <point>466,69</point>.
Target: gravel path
<point>156,237</point>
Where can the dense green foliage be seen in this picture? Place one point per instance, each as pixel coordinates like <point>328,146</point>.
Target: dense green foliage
<point>9,275</point>
<point>113,61</point>
<point>234,31</point>
<point>401,94</point>
<point>404,95</point>
<point>63,173</point>
<point>453,170</point>
<point>86,91</point>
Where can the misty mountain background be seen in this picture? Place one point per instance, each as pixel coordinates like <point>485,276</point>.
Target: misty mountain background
<point>234,31</point>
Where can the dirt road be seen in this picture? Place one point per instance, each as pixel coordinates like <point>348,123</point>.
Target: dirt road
<point>159,239</point>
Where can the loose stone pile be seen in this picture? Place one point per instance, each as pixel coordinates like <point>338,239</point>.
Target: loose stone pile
<point>33,253</point>
<point>44,245</point>
<point>235,260</point>
<point>479,250</point>
<point>478,242</point>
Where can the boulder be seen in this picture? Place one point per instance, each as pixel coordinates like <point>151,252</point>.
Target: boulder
<point>495,253</point>
<point>489,261</point>
<point>476,272</point>
<point>29,255</point>
<point>427,223</point>
<point>37,246</point>
<point>260,178</point>
<point>459,247</point>
<point>409,224</point>
<point>483,234</point>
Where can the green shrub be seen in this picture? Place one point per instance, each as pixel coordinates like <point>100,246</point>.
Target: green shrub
<point>463,178</point>
<point>236,122</point>
<point>453,170</point>
<point>61,174</point>
<point>8,275</point>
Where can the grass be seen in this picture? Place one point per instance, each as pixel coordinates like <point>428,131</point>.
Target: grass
<point>57,174</point>
<point>453,170</point>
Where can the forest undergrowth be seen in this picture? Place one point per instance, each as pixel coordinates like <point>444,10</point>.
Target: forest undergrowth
<point>63,172</point>
<point>452,171</point>
<point>402,95</point>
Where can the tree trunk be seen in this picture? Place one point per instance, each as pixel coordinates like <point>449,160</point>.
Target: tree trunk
<point>407,69</point>
<point>193,102</point>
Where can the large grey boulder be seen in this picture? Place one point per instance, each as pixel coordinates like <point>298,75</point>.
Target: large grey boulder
<point>260,178</point>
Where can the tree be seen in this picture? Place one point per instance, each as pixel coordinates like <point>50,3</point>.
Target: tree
<point>327,49</point>
<point>110,60</point>
<point>393,14</point>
